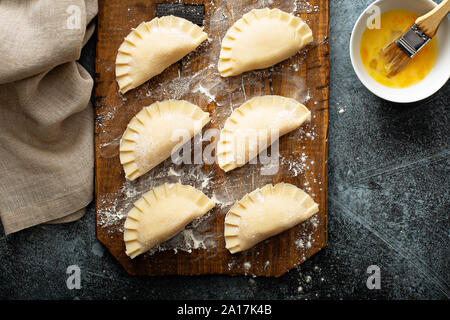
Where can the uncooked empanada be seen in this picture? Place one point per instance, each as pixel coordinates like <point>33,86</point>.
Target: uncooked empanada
<point>152,47</point>
<point>260,39</point>
<point>255,125</point>
<point>264,213</point>
<point>160,214</point>
<point>155,131</point>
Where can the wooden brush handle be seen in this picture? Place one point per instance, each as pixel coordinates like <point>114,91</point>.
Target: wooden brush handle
<point>429,22</point>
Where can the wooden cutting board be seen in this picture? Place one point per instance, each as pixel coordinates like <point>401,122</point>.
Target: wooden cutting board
<point>200,248</point>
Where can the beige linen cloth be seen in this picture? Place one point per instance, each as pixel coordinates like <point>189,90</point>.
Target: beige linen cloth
<point>46,120</point>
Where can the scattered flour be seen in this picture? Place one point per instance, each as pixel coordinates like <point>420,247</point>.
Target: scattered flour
<point>173,173</point>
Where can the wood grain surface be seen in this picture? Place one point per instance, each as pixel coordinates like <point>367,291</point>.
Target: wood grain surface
<point>304,77</point>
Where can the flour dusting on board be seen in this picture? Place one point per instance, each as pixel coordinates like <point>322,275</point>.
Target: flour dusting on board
<point>207,88</point>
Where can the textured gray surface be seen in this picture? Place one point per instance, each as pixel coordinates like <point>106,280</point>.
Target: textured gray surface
<point>388,206</point>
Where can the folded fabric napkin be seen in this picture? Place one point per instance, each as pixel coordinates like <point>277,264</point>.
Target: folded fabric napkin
<point>46,120</point>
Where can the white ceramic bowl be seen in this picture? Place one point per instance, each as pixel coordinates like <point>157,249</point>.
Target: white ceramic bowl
<point>437,77</point>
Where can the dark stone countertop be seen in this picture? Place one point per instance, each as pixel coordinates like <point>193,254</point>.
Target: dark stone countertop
<point>388,206</point>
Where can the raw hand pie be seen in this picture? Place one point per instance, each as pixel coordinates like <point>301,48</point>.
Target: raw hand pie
<point>160,214</point>
<point>260,39</point>
<point>155,131</point>
<point>254,126</point>
<point>152,47</point>
<point>264,213</point>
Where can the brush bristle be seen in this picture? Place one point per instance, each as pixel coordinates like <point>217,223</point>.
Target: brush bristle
<point>394,58</point>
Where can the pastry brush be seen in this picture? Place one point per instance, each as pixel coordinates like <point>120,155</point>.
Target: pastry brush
<point>400,52</point>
